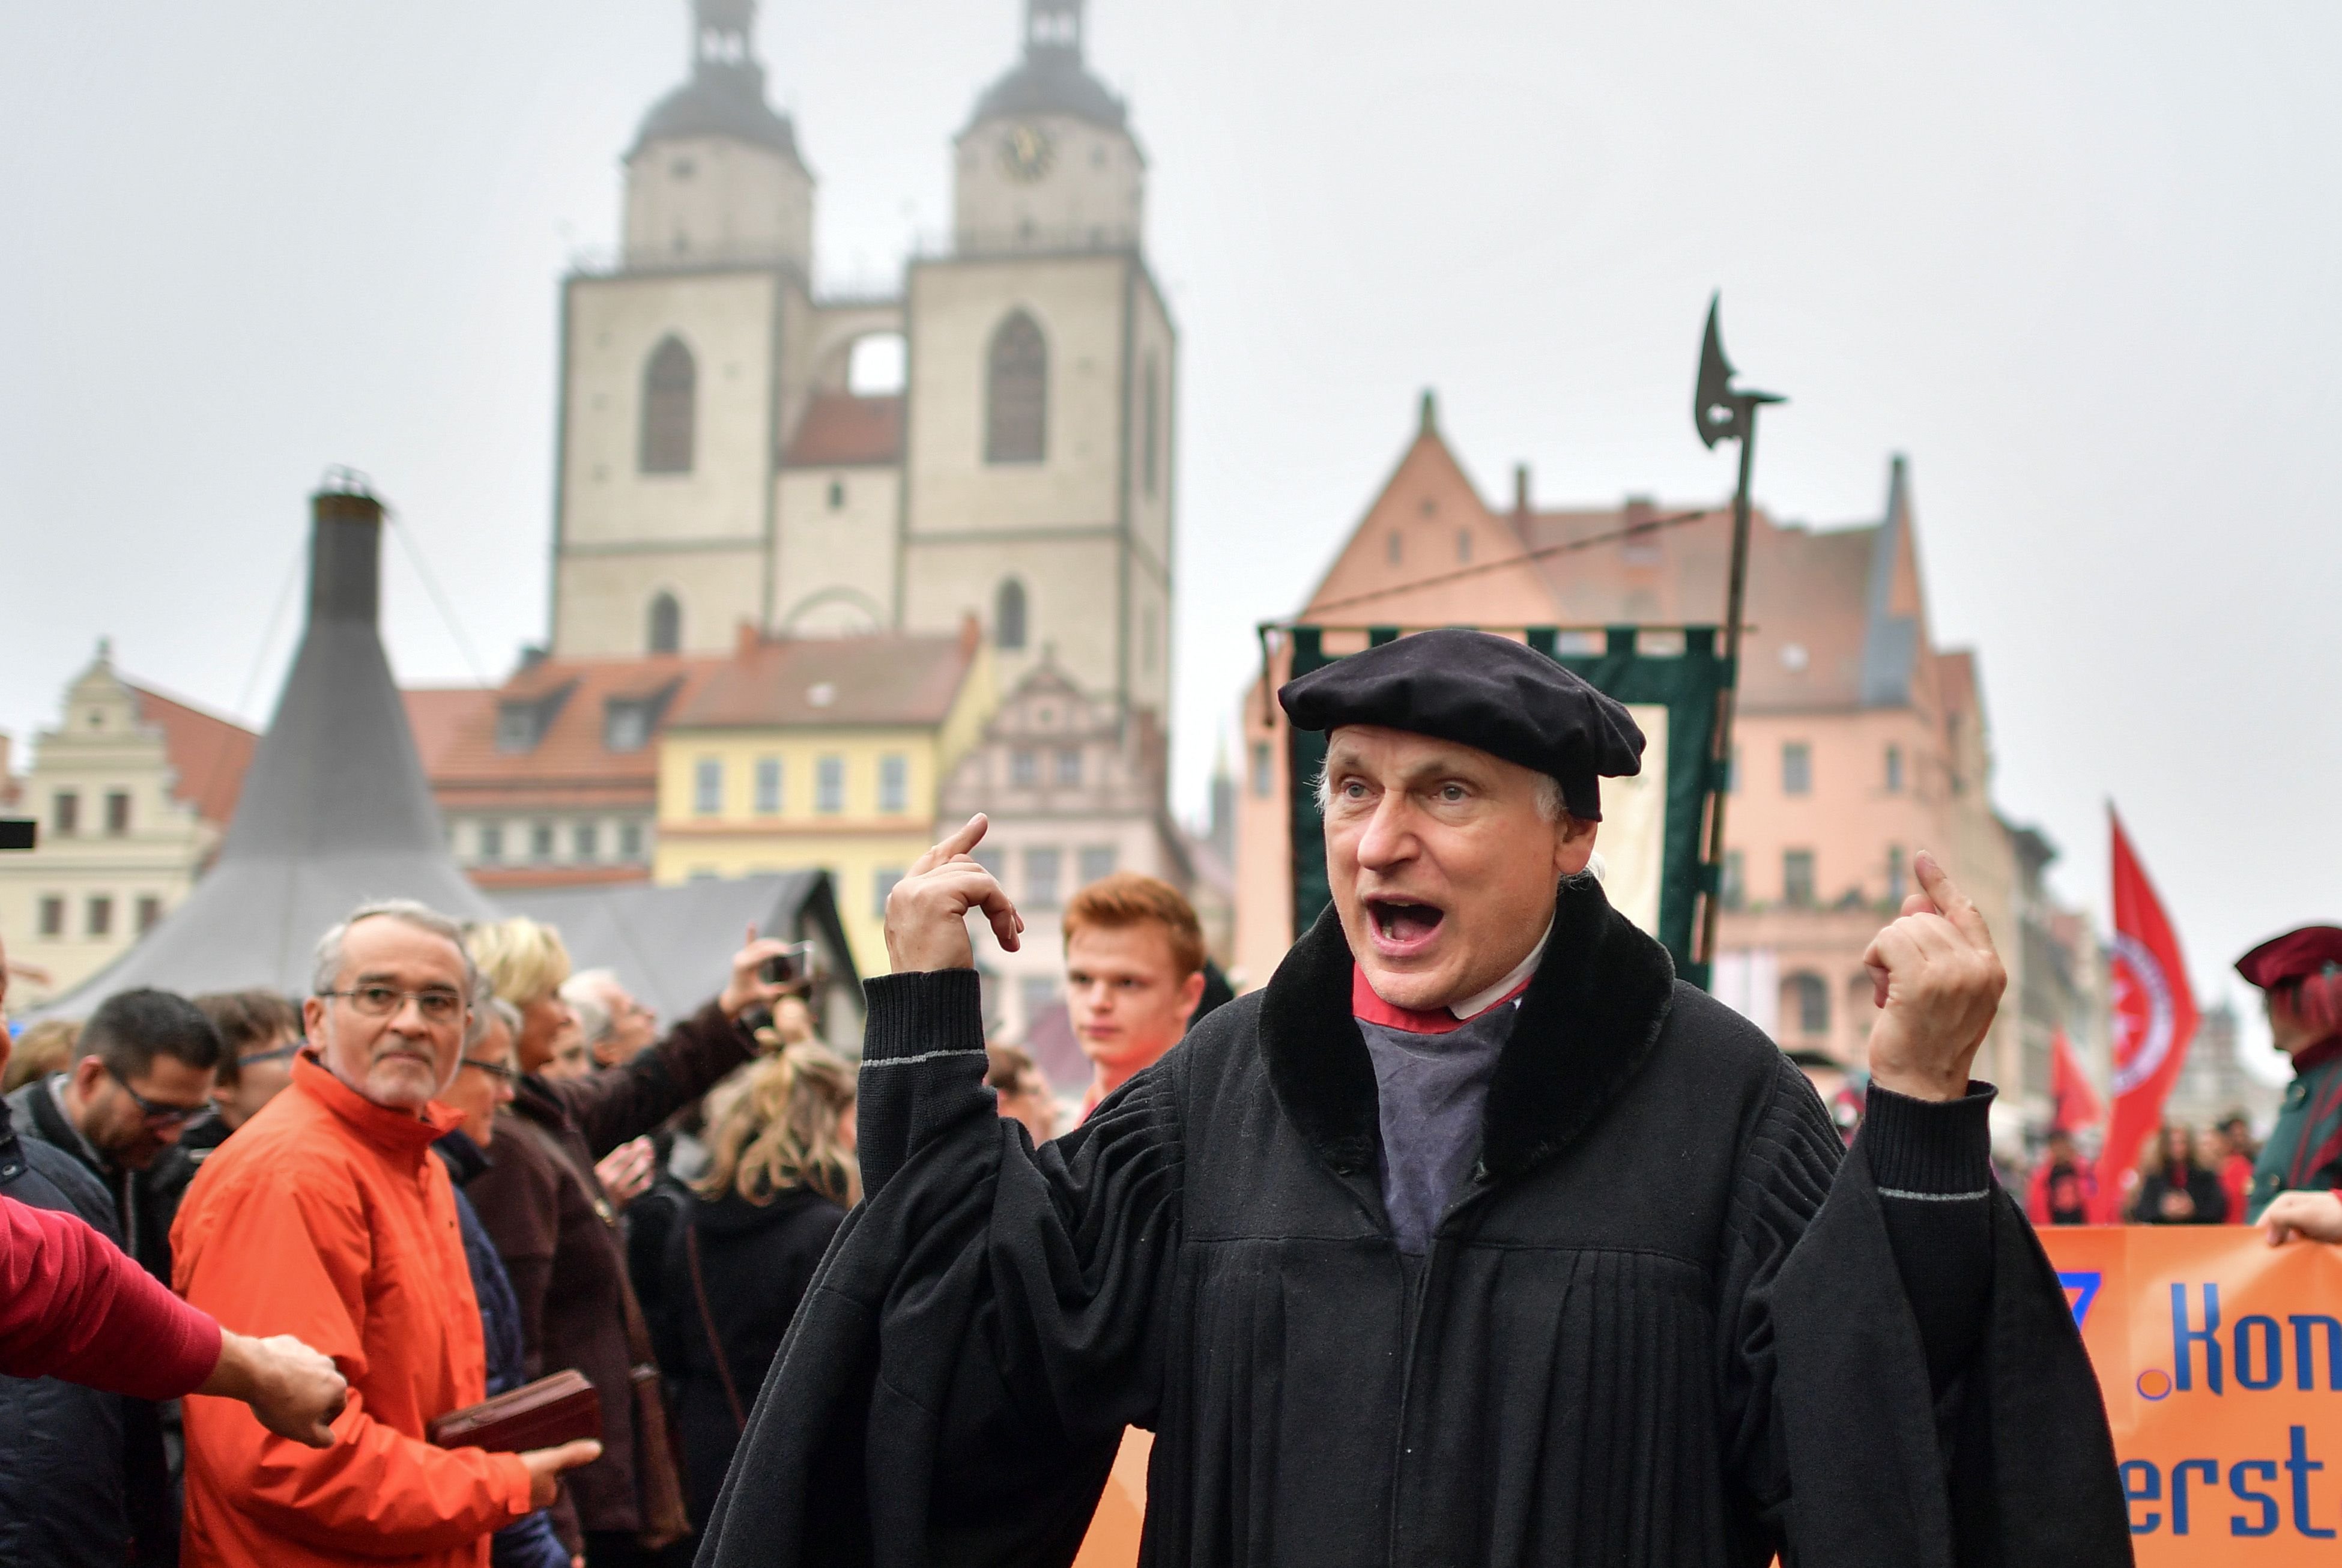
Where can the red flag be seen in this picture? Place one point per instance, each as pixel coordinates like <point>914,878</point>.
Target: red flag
<point>2154,1020</point>
<point>2078,1104</point>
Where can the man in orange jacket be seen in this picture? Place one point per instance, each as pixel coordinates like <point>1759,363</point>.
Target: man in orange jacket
<point>326,1217</point>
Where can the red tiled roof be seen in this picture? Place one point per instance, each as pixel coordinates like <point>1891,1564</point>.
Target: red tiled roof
<point>831,681</point>
<point>436,715</point>
<point>208,754</point>
<point>840,430</point>
<point>571,765</point>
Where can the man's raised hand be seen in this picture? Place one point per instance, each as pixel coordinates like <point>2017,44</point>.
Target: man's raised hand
<point>926,915</point>
<point>1938,983</point>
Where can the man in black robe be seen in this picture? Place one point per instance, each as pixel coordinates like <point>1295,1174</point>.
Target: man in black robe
<point>1475,1237</point>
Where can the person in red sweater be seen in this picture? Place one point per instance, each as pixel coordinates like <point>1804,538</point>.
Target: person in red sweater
<point>76,1307</point>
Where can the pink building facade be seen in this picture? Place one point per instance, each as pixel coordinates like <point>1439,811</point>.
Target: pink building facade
<point>1860,740</point>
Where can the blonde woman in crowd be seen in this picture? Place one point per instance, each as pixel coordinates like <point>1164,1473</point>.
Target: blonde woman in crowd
<point>780,1178</point>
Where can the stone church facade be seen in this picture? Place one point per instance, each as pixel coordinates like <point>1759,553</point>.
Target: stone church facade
<point>717,466</point>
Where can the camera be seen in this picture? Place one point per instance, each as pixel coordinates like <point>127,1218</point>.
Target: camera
<point>789,965</point>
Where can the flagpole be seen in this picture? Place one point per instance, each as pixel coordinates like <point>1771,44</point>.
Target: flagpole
<point>1721,413</point>
<point>1728,696</point>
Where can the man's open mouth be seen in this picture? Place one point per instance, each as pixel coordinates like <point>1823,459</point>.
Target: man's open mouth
<point>1402,923</point>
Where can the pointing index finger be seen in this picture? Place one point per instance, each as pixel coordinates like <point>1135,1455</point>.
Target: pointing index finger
<point>1951,902</point>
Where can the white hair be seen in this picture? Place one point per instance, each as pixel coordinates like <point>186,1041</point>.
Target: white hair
<point>1548,795</point>
<point>583,991</point>
<point>327,970</point>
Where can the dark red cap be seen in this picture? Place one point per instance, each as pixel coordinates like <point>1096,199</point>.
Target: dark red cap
<point>2289,958</point>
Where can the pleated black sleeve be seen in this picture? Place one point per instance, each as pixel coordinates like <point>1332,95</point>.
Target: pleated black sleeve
<point>1899,1364</point>
<point>957,1382</point>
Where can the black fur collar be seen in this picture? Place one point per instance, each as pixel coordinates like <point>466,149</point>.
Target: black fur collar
<point>1591,1016</point>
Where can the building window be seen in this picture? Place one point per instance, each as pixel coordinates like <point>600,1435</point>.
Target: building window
<point>830,786</point>
<point>66,811</point>
<point>670,393</point>
<point>667,625</point>
<point>1735,880</point>
<point>1796,768</point>
<point>540,842</point>
<point>630,842</point>
<point>625,726</point>
<point>1041,870</point>
<point>1024,767</point>
<point>1464,546</point>
<point>1797,878</point>
<point>117,813</point>
<point>52,915</point>
<point>150,913</point>
<point>1097,864</point>
<point>1893,770</point>
<point>894,784</point>
<point>1896,879</point>
<point>1150,416</point>
<point>1396,548</point>
<point>882,883</point>
<point>585,842</point>
<point>837,495</point>
<point>492,844</point>
<point>101,916</point>
<point>707,787</point>
<point>1809,1003</point>
<point>1264,772</point>
<point>1016,394</point>
<point>1069,765</point>
<point>1008,617</point>
<point>768,786</point>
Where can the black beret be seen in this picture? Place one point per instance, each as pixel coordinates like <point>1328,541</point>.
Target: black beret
<point>1483,690</point>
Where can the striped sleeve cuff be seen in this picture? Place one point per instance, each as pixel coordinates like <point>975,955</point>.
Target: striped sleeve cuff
<point>1929,1150</point>
<point>917,1017</point>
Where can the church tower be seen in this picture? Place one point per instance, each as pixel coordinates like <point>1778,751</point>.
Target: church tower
<point>1037,460</point>
<point>673,392</point>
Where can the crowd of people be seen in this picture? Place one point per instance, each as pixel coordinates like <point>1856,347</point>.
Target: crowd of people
<point>454,1168</point>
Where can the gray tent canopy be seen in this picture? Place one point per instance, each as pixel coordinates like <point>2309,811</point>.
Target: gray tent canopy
<point>334,812</point>
<point>672,946</point>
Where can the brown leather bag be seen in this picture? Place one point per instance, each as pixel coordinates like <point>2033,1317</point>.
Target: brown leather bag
<point>552,1411</point>
<point>658,1453</point>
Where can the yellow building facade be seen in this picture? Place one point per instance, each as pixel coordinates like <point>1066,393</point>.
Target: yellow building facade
<point>823,754</point>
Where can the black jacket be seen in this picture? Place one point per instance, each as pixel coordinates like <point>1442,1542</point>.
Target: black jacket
<point>2210,1199</point>
<point>1666,1323</point>
<point>64,1503</point>
<point>757,1260</point>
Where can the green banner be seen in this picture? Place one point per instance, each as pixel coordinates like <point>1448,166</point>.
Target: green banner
<point>1656,876</point>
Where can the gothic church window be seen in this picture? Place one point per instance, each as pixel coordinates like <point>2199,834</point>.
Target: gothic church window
<point>1016,394</point>
<point>1008,617</point>
<point>667,624</point>
<point>670,393</point>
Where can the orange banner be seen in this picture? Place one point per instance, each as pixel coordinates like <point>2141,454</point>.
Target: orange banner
<point>2221,1359</point>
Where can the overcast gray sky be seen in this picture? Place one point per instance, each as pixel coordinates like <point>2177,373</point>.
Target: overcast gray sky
<point>2079,262</point>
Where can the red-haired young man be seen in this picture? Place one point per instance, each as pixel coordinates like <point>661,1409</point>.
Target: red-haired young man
<point>1134,973</point>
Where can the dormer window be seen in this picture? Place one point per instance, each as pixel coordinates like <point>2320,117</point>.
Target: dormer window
<point>626,727</point>
<point>523,722</point>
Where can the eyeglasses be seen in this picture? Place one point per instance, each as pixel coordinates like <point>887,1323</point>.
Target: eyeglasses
<point>281,1053</point>
<point>438,1007</point>
<point>497,1069</point>
<point>159,1114</point>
